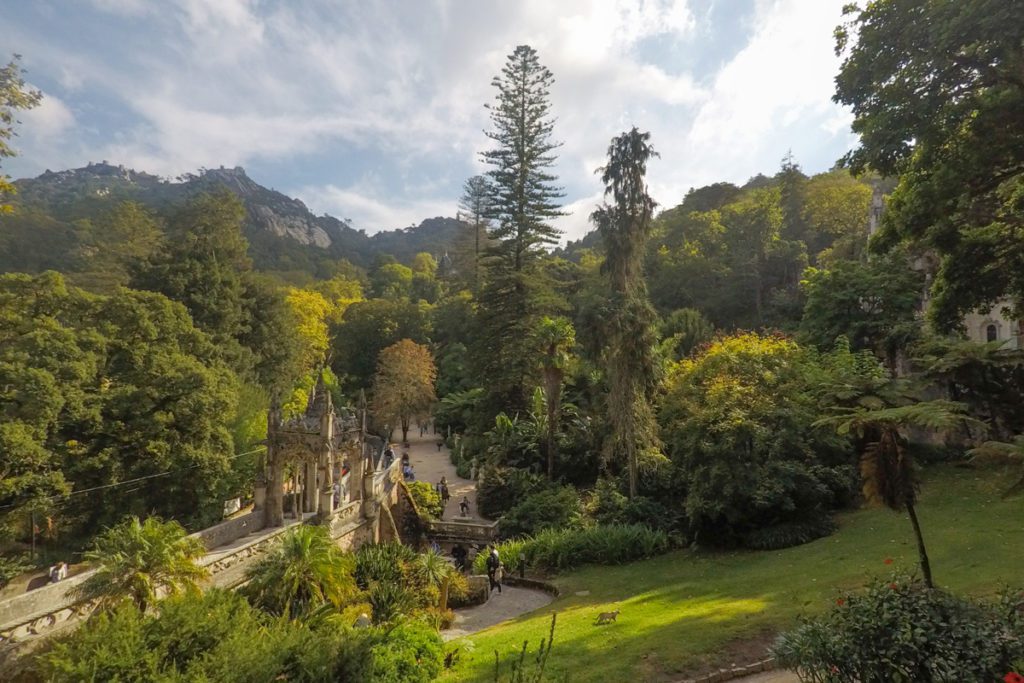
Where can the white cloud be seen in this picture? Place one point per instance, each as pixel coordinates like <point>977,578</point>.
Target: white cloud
<point>368,209</point>
<point>782,79</point>
<point>395,93</point>
<point>50,119</point>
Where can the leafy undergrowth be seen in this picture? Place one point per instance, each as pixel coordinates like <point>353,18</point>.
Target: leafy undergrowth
<point>687,611</point>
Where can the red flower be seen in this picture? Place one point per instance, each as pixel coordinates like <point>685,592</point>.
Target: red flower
<point>835,669</point>
<point>888,560</point>
<point>1013,678</point>
<point>893,586</point>
<point>841,602</point>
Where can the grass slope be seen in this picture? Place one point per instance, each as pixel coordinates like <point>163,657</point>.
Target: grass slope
<point>687,610</point>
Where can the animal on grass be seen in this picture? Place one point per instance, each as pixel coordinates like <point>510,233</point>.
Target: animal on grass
<point>606,617</point>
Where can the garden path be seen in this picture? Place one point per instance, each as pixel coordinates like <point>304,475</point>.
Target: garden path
<point>510,603</point>
<point>430,464</point>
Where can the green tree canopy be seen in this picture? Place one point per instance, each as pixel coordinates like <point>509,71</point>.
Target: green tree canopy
<point>15,96</point>
<point>936,94</point>
<point>99,390</point>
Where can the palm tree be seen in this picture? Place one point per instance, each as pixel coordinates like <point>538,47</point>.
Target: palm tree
<point>303,573</point>
<point>140,561</point>
<point>434,570</point>
<point>887,469</point>
<point>556,337</point>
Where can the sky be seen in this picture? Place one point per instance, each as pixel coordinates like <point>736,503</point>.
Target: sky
<point>374,111</point>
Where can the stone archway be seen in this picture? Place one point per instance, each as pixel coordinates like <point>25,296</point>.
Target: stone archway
<point>308,444</point>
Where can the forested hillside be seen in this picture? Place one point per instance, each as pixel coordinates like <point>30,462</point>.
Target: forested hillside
<point>63,219</point>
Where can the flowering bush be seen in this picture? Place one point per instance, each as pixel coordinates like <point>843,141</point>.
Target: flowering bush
<point>899,630</point>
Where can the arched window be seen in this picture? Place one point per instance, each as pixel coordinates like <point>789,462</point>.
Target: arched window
<point>991,333</point>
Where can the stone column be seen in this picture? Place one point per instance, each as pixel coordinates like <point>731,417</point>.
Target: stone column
<point>273,514</point>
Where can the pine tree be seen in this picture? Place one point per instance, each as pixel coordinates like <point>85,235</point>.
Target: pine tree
<point>522,201</point>
<point>476,202</point>
<point>629,354</point>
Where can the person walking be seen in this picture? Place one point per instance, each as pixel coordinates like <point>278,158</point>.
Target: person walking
<point>445,493</point>
<point>493,568</point>
<point>464,506</point>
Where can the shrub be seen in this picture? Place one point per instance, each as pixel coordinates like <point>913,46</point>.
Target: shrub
<point>390,601</point>
<point>216,637</point>
<point>427,499</point>
<point>607,506</point>
<point>11,567</point>
<point>900,630</point>
<point>558,550</point>
<point>554,508</point>
<point>412,653</point>
<point>382,563</point>
<point>501,489</point>
<point>741,423</point>
<point>788,534</point>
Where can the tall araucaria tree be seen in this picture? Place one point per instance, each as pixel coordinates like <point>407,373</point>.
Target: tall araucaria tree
<point>404,384</point>
<point>524,199</point>
<point>629,355</point>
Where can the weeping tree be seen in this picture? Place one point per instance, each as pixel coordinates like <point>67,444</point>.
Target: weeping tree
<point>887,468</point>
<point>555,337</point>
<point>629,355</point>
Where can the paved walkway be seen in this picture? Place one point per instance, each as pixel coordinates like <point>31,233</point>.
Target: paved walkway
<point>430,464</point>
<point>510,603</point>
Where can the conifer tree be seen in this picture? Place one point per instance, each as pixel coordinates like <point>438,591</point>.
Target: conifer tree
<point>523,200</point>
<point>629,354</point>
<point>475,202</point>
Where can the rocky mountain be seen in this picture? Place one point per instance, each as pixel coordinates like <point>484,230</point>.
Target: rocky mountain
<point>283,233</point>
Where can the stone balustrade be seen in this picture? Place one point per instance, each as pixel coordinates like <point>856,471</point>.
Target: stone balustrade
<point>476,532</point>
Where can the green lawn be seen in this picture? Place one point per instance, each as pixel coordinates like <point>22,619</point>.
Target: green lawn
<point>687,610</point>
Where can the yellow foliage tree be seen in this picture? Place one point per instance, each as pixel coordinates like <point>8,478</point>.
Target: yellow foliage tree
<point>340,292</point>
<point>312,311</point>
<point>404,384</point>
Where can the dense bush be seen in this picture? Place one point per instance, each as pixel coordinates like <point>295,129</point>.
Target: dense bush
<point>10,567</point>
<point>427,499</point>
<point>899,630</point>
<point>553,508</point>
<point>740,422</point>
<point>500,489</point>
<point>412,653</point>
<point>553,550</point>
<point>217,638</point>
<point>788,534</point>
<point>382,563</point>
<point>607,506</point>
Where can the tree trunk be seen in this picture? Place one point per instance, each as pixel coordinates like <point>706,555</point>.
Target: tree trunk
<point>442,601</point>
<point>926,568</point>
<point>552,391</point>
<point>274,513</point>
<point>632,470</point>
<point>405,429</point>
